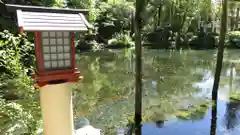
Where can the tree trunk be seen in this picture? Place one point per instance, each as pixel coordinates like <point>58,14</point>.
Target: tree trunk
<point>159,15</point>
<point>220,51</point>
<point>138,75</point>
<point>156,22</point>
<point>231,13</point>
<point>237,19</point>
<point>132,23</point>
<point>232,23</point>
<point>218,67</point>
<point>178,37</point>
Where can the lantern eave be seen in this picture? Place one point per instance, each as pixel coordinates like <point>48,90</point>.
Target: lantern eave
<point>31,21</point>
<point>45,79</point>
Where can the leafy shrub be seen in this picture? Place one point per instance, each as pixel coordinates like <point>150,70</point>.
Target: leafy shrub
<point>22,115</point>
<point>19,101</point>
<point>232,39</point>
<point>16,54</point>
<point>89,45</point>
<point>204,41</point>
<point>113,18</point>
<point>120,40</point>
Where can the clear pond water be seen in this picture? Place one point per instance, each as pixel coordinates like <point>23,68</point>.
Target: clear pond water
<point>173,81</point>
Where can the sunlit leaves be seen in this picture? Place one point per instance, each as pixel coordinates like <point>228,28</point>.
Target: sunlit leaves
<point>182,12</point>
<point>20,111</point>
<point>17,52</point>
<point>16,120</point>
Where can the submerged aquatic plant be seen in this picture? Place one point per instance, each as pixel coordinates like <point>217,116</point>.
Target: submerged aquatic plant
<point>234,97</point>
<point>193,112</point>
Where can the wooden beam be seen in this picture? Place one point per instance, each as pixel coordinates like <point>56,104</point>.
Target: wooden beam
<point>13,8</point>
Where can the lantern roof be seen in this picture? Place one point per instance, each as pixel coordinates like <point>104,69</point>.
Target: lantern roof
<point>48,21</point>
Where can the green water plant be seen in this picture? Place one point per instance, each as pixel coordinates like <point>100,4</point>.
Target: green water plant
<point>193,112</point>
<point>234,97</point>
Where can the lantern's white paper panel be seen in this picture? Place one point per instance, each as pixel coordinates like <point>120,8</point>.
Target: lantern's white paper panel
<point>56,50</point>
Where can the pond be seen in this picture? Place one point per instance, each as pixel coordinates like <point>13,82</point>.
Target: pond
<point>175,85</point>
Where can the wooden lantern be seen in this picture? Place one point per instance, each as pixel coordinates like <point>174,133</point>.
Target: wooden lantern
<point>54,44</point>
<point>55,57</point>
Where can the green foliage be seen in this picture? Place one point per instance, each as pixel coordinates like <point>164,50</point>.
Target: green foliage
<point>80,4</point>
<point>20,116</point>
<point>121,40</point>
<point>85,4</point>
<point>110,19</point>
<point>113,18</point>
<point>19,104</point>
<point>17,53</point>
<point>233,34</point>
<point>90,45</point>
<point>181,17</point>
<point>232,39</point>
<point>177,13</point>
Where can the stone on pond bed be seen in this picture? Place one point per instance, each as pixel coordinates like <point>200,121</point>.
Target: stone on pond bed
<point>82,127</point>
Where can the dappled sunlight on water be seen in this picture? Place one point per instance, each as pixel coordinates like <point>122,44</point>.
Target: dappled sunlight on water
<point>173,81</point>
<point>198,127</point>
<point>228,116</point>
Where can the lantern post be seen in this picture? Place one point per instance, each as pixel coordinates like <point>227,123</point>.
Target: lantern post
<point>55,93</point>
<point>55,64</point>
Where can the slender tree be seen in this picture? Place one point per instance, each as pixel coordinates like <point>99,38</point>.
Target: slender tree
<point>218,66</point>
<point>237,19</point>
<point>220,50</point>
<point>138,75</point>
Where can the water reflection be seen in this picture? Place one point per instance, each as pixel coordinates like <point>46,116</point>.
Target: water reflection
<point>159,123</point>
<point>232,108</point>
<point>214,118</point>
<point>232,118</point>
<point>171,83</point>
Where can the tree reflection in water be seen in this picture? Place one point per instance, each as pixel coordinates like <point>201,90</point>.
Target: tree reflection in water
<point>106,96</point>
<point>214,118</point>
<point>231,119</point>
<point>159,123</point>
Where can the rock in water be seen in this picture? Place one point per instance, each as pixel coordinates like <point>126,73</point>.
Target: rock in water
<point>82,127</point>
<point>88,130</point>
<point>81,122</point>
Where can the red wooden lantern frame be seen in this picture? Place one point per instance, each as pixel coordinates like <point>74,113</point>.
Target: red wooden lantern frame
<point>44,77</point>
